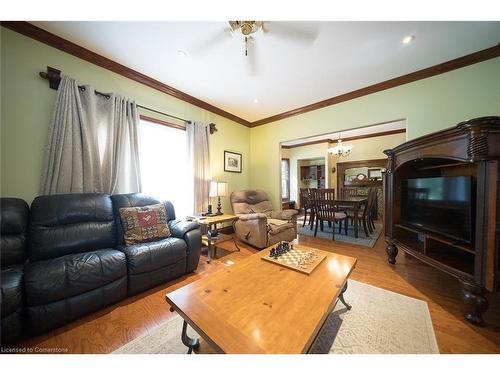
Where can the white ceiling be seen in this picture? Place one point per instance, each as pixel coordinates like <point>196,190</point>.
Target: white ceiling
<point>289,72</point>
<point>367,130</point>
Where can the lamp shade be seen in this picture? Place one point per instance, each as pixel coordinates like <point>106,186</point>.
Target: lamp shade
<point>218,189</point>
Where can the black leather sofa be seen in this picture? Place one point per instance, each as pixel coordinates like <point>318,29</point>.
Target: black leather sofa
<point>77,262</point>
<point>153,263</point>
<point>74,267</point>
<point>14,222</point>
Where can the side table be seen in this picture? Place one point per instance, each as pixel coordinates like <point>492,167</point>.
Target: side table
<point>209,223</point>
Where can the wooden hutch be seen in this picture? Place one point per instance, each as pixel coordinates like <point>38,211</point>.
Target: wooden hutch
<point>361,185</point>
<point>472,148</point>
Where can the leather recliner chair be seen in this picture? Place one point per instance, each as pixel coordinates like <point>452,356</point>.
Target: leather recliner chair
<point>153,263</point>
<point>258,224</point>
<point>73,267</point>
<point>14,222</point>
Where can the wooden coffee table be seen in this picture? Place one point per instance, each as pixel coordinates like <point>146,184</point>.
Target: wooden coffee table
<point>259,307</point>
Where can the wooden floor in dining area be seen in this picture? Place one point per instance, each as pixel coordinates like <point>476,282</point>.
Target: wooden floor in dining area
<point>110,328</point>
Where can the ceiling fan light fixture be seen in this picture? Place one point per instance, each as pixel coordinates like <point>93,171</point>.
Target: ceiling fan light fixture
<point>245,27</point>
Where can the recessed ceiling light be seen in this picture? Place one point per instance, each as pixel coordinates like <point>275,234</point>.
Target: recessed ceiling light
<point>408,39</point>
<point>181,53</point>
<point>256,100</point>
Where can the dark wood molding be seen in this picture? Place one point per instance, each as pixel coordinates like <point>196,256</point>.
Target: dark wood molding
<point>308,143</point>
<point>64,45</point>
<point>382,162</point>
<point>473,58</point>
<point>162,122</point>
<point>379,134</point>
<point>213,127</point>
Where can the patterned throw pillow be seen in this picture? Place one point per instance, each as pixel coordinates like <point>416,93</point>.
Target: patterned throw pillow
<point>144,224</point>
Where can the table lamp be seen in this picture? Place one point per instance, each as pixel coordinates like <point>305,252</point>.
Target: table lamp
<point>218,189</point>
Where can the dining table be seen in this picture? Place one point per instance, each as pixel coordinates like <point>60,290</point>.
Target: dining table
<point>354,203</point>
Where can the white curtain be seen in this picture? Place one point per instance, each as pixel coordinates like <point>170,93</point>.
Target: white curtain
<point>93,143</point>
<point>120,154</point>
<point>72,162</point>
<point>199,164</point>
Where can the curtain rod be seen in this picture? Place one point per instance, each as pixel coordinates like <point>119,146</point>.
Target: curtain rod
<point>54,77</point>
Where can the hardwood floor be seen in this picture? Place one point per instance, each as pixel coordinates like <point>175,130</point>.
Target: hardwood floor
<point>110,328</point>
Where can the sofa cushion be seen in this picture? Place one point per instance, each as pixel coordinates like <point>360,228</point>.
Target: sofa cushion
<point>138,282</point>
<point>250,201</point>
<point>12,289</point>
<point>144,224</point>
<point>71,275</point>
<point>262,207</point>
<point>150,256</point>
<point>13,222</point>
<point>179,228</point>
<point>284,215</point>
<point>69,224</point>
<point>249,196</point>
<point>276,226</point>
<point>136,200</point>
<point>42,318</point>
<point>242,208</point>
<point>12,327</point>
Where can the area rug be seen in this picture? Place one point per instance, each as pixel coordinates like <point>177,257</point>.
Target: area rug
<point>327,233</point>
<point>380,322</point>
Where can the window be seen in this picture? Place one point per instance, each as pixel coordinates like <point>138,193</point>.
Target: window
<point>164,165</point>
<point>285,179</point>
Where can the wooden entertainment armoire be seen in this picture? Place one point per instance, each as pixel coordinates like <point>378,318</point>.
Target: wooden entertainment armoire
<point>471,148</point>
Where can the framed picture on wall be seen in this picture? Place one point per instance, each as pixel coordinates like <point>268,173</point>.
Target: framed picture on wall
<point>232,162</point>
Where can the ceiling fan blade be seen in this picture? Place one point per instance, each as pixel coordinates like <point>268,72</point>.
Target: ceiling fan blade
<point>211,41</point>
<point>292,31</point>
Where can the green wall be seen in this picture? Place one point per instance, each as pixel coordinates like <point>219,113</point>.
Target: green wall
<point>427,105</point>
<point>27,104</point>
<point>26,107</point>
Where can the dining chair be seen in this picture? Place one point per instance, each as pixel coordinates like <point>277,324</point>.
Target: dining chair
<point>365,215</point>
<point>324,191</point>
<point>348,192</point>
<point>372,209</point>
<point>306,204</point>
<point>312,207</point>
<point>325,209</point>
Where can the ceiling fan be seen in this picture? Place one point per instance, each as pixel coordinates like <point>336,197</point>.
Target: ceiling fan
<point>248,31</point>
<point>246,28</point>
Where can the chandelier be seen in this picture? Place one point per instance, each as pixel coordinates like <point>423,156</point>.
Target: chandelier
<point>340,149</point>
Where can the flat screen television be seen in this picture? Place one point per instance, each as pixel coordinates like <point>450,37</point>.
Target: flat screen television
<point>443,205</point>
